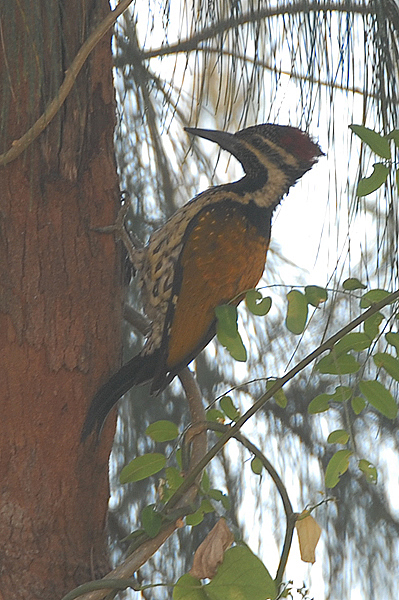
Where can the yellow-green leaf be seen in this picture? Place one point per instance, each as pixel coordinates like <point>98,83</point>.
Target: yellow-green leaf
<point>226,316</point>
<point>257,304</point>
<point>393,340</point>
<point>188,588</point>
<point>376,142</point>
<point>338,365</point>
<point>162,431</point>
<point>142,467</point>
<point>341,393</point>
<point>387,362</point>
<point>336,467</point>
<point>241,576</point>
<point>352,341</point>
<point>297,312</point>
<point>369,470</point>
<point>151,520</point>
<point>367,185</point>
<point>227,406</point>
<point>319,404</point>
<point>214,415</point>
<point>379,397</point>
<point>256,465</point>
<point>358,403</point>
<point>195,518</point>
<point>394,135</point>
<point>315,295</point>
<point>373,296</point>
<point>353,284</point>
<point>279,397</point>
<point>173,478</point>
<point>233,344</point>
<point>371,325</point>
<point>339,436</point>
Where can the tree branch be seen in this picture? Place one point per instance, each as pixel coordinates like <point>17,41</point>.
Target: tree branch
<point>191,44</point>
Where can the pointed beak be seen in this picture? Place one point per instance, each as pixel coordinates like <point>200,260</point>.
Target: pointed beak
<point>225,140</point>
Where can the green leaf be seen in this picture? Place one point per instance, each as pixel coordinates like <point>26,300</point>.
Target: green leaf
<point>371,325</point>
<point>257,304</point>
<point>367,185</point>
<point>214,415</point>
<point>162,431</point>
<point>342,393</point>
<point>297,312</point>
<point>339,436</point>
<point>205,482</point>
<point>227,332</point>
<point>226,316</point>
<point>226,502</point>
<point>376,142</point>
<point>227,406</point>
<point>393,340</point>
<point>256,465</point>
<point>373,296</point>
<point>279,397</point>
<point>369,470</point>
<point>358,403</point>
<point>319,404</point>
<point>336,467</point>
<point>379,397</point>
<point>142,467</point>
<point>315,295</point>
<point>207,506</point>
<point>353,284</point>
<point>394,135</point>
<point>241,576</point>
<point>220,497</point>
<point>189,588</point>
<point>173,478</point>
<point>234,345</point>
<point>195,518</point>
<point>352,341</point>
<point>151,520</point>
<point>338,365</point>
<point>387,362</point>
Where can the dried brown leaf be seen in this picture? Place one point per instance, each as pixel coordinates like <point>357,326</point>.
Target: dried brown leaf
<point>309,532</point>
<point>210,552</point>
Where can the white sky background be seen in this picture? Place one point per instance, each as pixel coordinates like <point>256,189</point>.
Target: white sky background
<point>313,229</point>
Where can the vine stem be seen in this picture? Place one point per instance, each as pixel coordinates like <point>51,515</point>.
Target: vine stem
<point>279,383</point>
<point>18,146</point>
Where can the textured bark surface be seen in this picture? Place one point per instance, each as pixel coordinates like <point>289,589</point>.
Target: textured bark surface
<point>60,300</point>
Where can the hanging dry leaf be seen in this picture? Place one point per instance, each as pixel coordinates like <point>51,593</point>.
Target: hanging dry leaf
<point>209,554</point>
<point>309,533</point>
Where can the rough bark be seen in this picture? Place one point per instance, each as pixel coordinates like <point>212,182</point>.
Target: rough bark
<point>60,300</point>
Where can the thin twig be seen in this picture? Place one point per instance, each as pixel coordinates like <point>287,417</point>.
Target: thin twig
<point>18,146</point>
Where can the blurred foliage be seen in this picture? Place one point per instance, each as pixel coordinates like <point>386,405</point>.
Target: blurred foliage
<point>227,65</point>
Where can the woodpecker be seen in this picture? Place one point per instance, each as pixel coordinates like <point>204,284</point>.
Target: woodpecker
<point>208,252</point>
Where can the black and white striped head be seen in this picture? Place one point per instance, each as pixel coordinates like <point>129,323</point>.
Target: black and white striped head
<point>268,151</point>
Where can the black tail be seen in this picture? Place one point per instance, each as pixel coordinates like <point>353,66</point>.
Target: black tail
<point>138,370</point>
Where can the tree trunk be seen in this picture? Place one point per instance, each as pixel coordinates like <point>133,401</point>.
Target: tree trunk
<point>60,299</point>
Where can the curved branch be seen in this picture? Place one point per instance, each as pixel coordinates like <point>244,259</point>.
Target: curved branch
<point>191,44</point>
<point>289,511</point>
<point>18,146</point>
